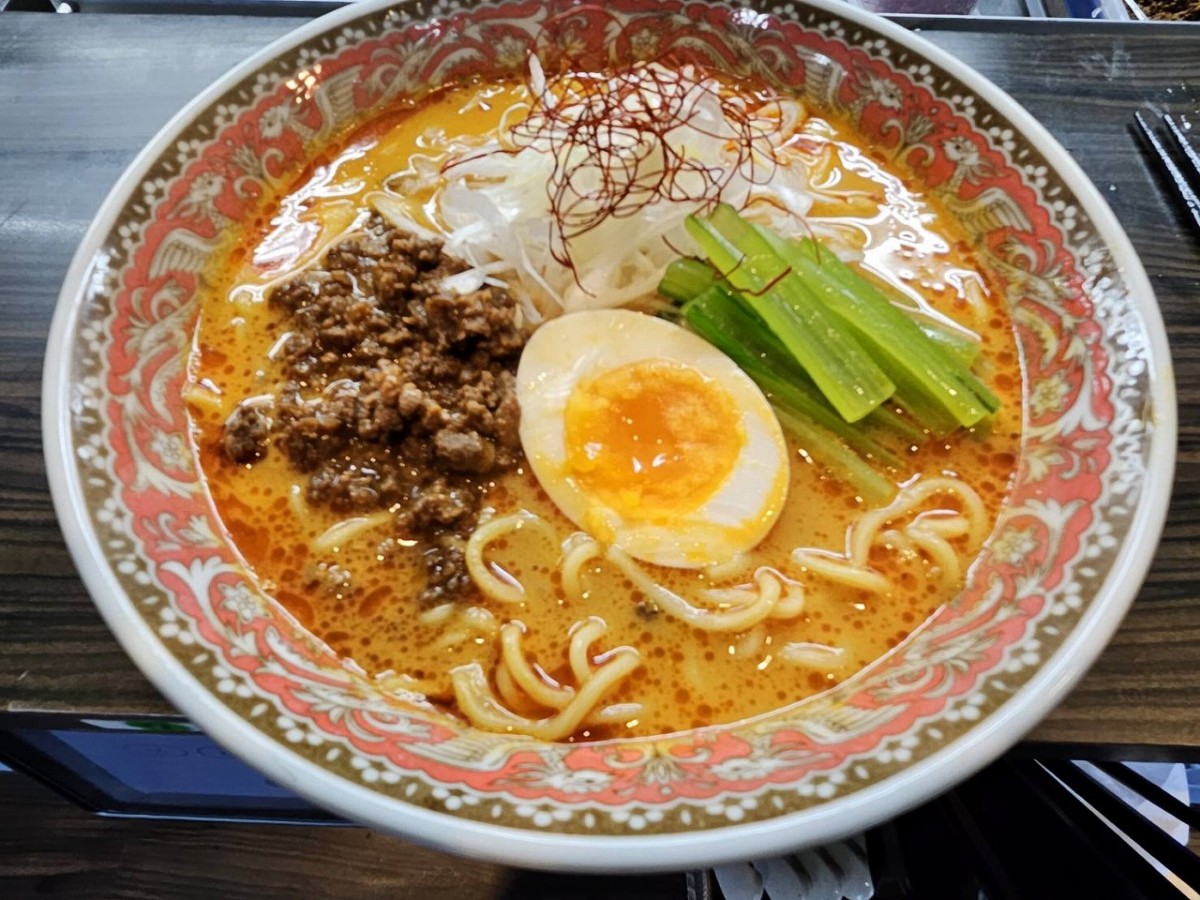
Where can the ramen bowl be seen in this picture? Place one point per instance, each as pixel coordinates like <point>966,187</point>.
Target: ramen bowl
<point>1053,582</point>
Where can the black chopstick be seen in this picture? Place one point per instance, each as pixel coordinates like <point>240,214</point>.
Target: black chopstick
<point>1184,146</point>
<point>1180,184</point>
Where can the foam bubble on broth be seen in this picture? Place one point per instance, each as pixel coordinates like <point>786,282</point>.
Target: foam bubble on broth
<point>359,596</point>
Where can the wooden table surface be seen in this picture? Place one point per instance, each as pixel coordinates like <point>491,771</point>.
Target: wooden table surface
<point>80,94</point>
<point>63,852</point>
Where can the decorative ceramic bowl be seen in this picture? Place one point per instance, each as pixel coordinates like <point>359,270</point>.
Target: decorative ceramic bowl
<point>1066,558</point>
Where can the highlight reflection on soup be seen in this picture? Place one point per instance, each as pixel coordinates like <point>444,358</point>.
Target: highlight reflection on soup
<point>453,428</point>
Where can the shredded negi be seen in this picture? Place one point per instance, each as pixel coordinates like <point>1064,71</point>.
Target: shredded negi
<point>579,198</point>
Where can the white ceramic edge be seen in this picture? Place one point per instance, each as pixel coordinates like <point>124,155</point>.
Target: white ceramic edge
<point>633,853</point>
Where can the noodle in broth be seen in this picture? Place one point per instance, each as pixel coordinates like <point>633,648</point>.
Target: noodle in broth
<point>559,635</point>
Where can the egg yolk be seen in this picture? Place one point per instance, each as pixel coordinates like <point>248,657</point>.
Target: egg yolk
<point>651,439</point>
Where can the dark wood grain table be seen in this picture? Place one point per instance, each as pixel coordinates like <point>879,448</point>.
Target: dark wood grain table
<point>80,94</point>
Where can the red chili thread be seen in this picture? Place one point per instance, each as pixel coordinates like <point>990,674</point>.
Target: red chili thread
<point>622,122</point>
<point>667,241</point>
<point>770,285</point>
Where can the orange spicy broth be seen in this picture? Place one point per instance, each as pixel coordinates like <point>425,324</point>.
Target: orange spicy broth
<point>359,596</point>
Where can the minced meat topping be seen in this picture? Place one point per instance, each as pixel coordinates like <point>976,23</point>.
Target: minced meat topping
<point>396,391</point>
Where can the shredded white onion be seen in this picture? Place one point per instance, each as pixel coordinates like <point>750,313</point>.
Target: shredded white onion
<point>496,213</point>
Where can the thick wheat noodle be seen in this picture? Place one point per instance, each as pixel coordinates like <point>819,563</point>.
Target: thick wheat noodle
<point>480,706</point>
<point>394,683</point>
<point>899,540</point>
<point>578,551</point>
<point>789,605</point>
<point>805,653</point>
<point>864,532</point>
<point>618,712</point>
<point>340,533</point>
<point>517,682</point>
<point>297,503</point>
<point>438,615</point>
<point>840,570</point>
<point>479,619</point>
<point>752,641</point>
<point>200,397</point>
<point>944,526</point>
<point>554,696</point>
<point>749,607</point>
<point>734,619</point>
<point>939,550</point>
<point>508,689</point>
<point>451,638</point>
<point>485,579</point>
<point>582,635</point>
<point>791,602</point>
<point>473,620</point>
<point>928,532</point>
<point>725,570</point>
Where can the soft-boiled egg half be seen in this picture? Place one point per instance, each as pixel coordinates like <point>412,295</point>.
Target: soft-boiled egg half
<point>648,437</point>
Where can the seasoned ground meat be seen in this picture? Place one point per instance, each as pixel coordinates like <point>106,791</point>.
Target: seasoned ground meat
<point>396,393</point>
<point>246,430</point>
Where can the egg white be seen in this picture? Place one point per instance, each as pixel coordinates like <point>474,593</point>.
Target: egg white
<point>579,346</point>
